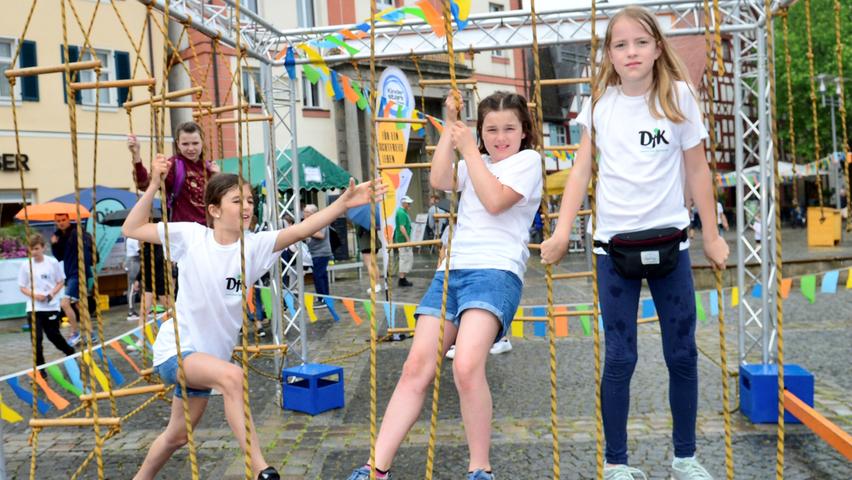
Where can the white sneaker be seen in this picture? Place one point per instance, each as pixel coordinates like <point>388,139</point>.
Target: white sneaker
<point>378,288</point>
<point>622,472</point>
<point>213,391</point>
<point>451,353</point>
<point>501,346</point>
<point>689,469</point>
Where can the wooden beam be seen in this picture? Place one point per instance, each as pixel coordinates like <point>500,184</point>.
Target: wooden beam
<point>223,121</point>
<point>74,422</point>
<point>32,71</point>
<point>183,104</point>
<point>418,121</point>
<point>566,276</point>
<point>447,81</point>
<point>141,82</point>
<point>159,98</point>
<point>579,212</point>
<point>562,148</point>
<point>261,348</point>
<point>421,243</point>
<point>549,82</point>
<point>392,331</point>
<point>394,166</point>
<point>833,435</point>
<point>228,108</point>
<point>124,392</point>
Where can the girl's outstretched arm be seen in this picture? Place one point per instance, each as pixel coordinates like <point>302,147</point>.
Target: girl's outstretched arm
<point>136,225</point>
<point>354,196</point>
<point>700,185</point>
<point>554,248</point>
<point>441,173</point>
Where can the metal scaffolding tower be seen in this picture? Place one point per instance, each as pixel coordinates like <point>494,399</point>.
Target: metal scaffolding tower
<point>742,20</point>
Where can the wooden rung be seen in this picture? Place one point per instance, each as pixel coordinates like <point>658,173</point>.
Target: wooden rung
<point>124,392</point>
<point>422,243</point>
<point>648,320</point>
<point>576,313</point>
<point>566,276</point>
<point>430,148</point>
<point>530,319</point>
<point>74,422</point>
<point>31,71</point>
<point>183,104</point>
<point>562,148</point>
<point>534,246</point>
<point>260,348</point>
<point>447,81</point>
<point>443,215</point>
<point>264,118</point>
<point>392,331</point>
<point>393,166</point>
<point>141,82</point>
<point>563,81</point>
<point>821,426</point>
<point>159,98</point>
<point>146,372</point>
<point>418,121</point>
<point>531,104</point>
<point>579,212</point>
<point>227,108</point>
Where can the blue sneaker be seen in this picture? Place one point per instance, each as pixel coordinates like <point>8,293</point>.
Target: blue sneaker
<point>363,473</point>
<point>480,474</point>
<point>74,340</point>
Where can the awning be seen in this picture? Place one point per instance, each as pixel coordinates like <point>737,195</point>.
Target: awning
<point>316,171</point>
<point>556,181</point>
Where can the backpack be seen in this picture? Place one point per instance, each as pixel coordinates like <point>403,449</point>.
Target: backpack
<point>180,176</point>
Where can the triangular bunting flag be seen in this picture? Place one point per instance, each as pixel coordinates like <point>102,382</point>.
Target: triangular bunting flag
<point>117,377</point>
<point>518,326</point>
<point>648,309</point>
<point>56,374</point>
<point>330,304</point>
<point>99,375</point>
<point>786,286</point>
<point>829,282</point>
<point>849,279</point>
<point>290,302</point>
<point>808,287</point>
<point>54,398</point>
<point>309,306</point>
<point>699,308</point>
<point>390,314</point>
<point>26,396</point>
<point>561,321</point>
<point>350,307</point>
<point>735,296</point>
<point>368,309</point>
<point>714,303</point>
<point>409,315</point>
<point>585,320</point>
<point>118,348</point>
<point>8,414</point>
<point>539,328</point>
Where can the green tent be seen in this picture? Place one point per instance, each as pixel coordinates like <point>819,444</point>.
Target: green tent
<point>316,171</point>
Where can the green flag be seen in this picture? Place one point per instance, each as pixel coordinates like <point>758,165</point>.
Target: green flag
<point>585,320</point>
<point>57,376</point>
<point>699,308</point>
<point>809,287</point>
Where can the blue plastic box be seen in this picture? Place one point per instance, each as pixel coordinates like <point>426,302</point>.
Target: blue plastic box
<point>759,391</point>
<point>312,388</point>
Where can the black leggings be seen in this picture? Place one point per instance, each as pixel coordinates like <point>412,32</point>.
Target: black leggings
<point>47,323</point>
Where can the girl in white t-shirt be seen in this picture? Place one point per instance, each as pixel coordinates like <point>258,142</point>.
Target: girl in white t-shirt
<point>500,185</point>
<point>650,142</point>
<point>209,303</point>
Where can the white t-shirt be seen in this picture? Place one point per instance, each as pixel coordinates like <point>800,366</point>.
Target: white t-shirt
<point>719,212</point>
<point>482,240</point>
<point>640,164</point>
<point>47,273</point>
<point>209,301</point>
<point>131,248</point>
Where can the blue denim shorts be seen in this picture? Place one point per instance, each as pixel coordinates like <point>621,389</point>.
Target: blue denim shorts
<point>168,372</point>
<point>72,287</point>
<point>496,291</point>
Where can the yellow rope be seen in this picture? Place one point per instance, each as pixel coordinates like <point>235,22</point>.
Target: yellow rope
<point>137,46</point>
<point>788,61</point>
<point>439,358</point>
<point>548,269</point>
<point>373,267</point>
<point>810,56</point>
<point>599,440</point>
<point>193,461</point>
<point>84,320</point>
<point>723,350</point>
<point>842,86</point>
<point>245,283</point>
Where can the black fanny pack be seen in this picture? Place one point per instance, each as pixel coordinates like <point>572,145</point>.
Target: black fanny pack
<point>646,254</point>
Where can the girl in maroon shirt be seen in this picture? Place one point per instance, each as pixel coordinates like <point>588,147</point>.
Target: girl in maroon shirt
<point>187,176</point>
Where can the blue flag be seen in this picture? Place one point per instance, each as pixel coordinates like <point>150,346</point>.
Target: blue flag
<point>26,396</point>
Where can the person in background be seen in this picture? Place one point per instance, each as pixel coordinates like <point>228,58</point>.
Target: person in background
<point>402,233</point>
<point>131,266</point>
<point>319,244</point>
<point>63,244</point>
<point>48,279</point>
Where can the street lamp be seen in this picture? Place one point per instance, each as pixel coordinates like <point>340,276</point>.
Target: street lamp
<point>832,99</point>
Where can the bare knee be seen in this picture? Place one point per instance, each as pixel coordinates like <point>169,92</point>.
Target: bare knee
<point>174,440</point>
<point>468,374</point>
<point>231,380</point>
<point>417,372</point>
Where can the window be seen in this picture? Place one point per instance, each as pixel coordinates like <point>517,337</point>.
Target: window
<point>250,5</point>
<point>251,86</point>
<point>557,134</point>
<point>496,7</point>
<point>105,96</point>
<point>383,4</point>
<point>311,94</point>
<point>305,13</point>
<point>7,49</point>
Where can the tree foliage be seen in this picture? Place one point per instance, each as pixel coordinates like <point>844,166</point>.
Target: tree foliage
<point>825,61</point>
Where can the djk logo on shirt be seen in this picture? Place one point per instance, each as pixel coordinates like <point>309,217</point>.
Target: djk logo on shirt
<point>233,285</point>
<point>652,139</point>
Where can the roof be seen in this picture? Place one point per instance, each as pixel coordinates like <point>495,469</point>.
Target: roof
<point>316,171</point>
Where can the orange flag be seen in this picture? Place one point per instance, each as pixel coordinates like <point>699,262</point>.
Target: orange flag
<point>433,18</point>
<point>561,321</point>
<point>118,348</point>
<point>51,395</point>
<point>348,92</point>
<point>350,307</point>
<point>786,285</point>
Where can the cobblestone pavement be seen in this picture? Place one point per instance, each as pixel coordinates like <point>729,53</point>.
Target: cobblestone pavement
<point>817,336</point>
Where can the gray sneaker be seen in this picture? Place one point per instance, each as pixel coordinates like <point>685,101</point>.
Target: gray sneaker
<point>480,474</point>
<point>689,469</point>
<point>363,473</point>
<point>623,472</point>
